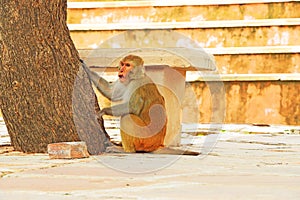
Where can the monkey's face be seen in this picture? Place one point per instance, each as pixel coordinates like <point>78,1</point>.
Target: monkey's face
<point>124,69</point>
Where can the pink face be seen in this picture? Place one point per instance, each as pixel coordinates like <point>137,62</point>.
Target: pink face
<point>124,69</point>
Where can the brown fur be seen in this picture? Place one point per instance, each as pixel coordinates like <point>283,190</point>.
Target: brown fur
<point>136,132</point>
<point>147,138</point>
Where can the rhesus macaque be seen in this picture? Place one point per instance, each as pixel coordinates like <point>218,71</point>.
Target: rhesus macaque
<point>142,109</point>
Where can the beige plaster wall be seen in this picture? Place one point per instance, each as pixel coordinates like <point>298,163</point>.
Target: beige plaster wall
<point>185,13</point>
<point>271,102</point>
<point>267,102</point>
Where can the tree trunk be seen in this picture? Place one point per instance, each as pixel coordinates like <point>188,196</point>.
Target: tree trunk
<point>45,95</point>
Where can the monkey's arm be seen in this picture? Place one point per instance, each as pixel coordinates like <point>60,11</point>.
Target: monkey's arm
<point>116,110</point>
<point>109,90</point>
<point>101,84</point>
<point>133,106</point>
<point>124,109</point>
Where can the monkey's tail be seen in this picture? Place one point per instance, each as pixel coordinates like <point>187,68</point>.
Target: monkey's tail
<point>162,150</point>
<point>175,151</point>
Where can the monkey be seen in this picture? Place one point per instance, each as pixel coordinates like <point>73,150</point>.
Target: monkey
<point>143,119</point>
<point>142,110</point>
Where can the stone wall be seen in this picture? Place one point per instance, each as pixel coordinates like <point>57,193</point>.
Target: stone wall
<point>263,102</point>
<point>258,38</point>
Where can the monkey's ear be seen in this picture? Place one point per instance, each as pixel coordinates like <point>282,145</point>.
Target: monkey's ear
<point>137,72</point>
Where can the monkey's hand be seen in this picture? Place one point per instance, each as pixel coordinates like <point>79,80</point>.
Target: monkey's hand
<point>101,113</point>
<point>84,66</point>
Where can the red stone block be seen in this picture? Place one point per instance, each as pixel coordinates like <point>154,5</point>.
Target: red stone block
<point>68,150</point>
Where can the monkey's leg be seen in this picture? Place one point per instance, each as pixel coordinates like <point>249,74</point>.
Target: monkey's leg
<point>136,136</point>
<point>130,131</point>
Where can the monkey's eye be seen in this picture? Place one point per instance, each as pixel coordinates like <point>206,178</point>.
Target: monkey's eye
<point>122,64</point>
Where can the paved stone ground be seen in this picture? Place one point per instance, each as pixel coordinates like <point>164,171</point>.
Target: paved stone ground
<point>240,166</point>
<point>234,165</point>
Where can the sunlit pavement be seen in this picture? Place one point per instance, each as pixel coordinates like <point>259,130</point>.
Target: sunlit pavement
<point>237,166</point>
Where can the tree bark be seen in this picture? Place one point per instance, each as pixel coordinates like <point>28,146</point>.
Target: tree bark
<point>45,95</point>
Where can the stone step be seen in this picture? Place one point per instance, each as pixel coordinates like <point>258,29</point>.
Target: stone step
<point>191,77</point>
<point>91,36</point>
<point>168,3</point>
<point>254,50</point>
<point>170,11</point>
<point>258,63</point>
<point>132,24</point>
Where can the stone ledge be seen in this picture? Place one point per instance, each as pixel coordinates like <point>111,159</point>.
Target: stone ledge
<point>196,76</point>
<point>253,50</point>
<point>117,4</point>
<point>184,25</point>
